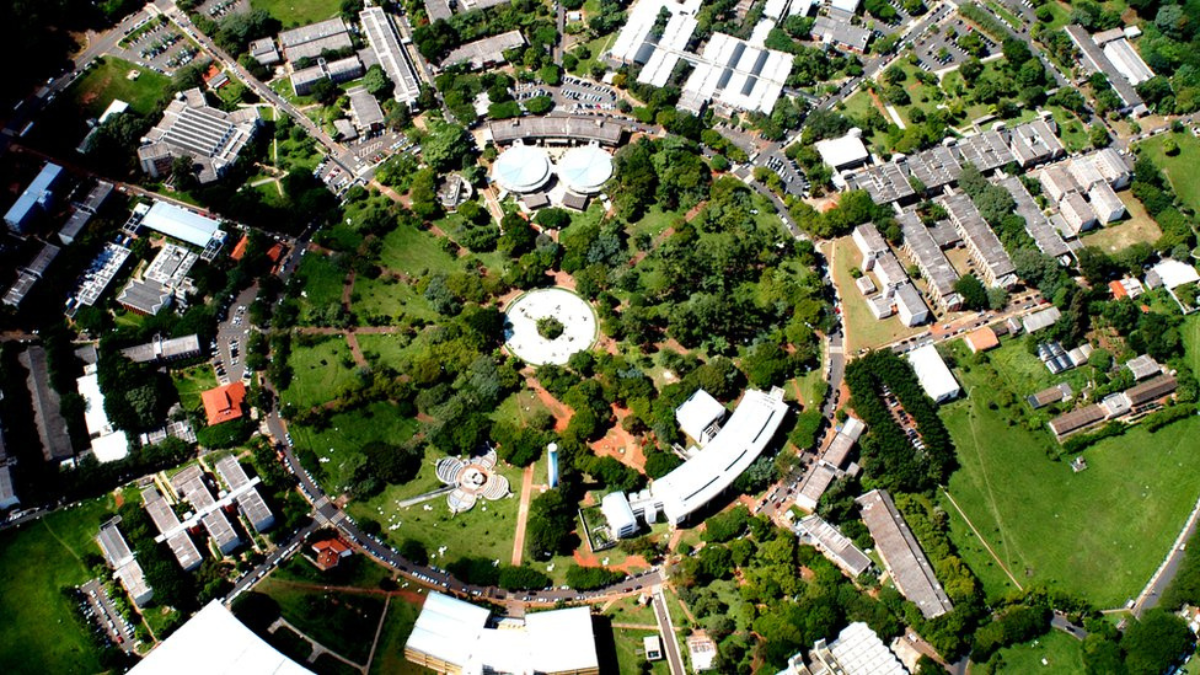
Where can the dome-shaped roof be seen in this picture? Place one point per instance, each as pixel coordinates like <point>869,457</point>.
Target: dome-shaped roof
<point>585,169</point>
<point>521,168</point>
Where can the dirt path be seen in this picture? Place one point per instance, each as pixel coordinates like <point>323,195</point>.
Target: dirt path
<point>562,414</point>
<point>378,631</point>
<point>982,540</point>
<point>522,515</point>
<point>355,350</point>
<point>348,289</point>
<point>407,595</point>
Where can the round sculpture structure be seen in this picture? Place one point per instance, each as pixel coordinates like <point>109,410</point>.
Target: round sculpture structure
<point>521,333</point>
<point>471,479</point>
<point>522,168</point>
<point>585,169</point>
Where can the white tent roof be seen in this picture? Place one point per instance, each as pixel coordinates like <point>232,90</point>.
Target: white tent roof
<point>108,445</point>
<point>215,643</point>
<point>585,169</point>
<point>180,223</point>
<point>1174,273</point>
<point>839,152</point>
<point>522,168</point>
<point>936,379</point>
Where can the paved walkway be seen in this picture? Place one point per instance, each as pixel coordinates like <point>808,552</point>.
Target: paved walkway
<point>522,516</point>
<point>317,648</point>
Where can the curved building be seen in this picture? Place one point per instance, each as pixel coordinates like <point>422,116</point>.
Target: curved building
<point>521,169</point>
<point>585,169</point>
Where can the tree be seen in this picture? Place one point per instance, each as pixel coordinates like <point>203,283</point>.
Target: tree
<point>377,83</point>
<point>551,521</point>
<point>1098,136</point>
<point>447,147</point>
<point>1154,642</point>
<point>972,291</point>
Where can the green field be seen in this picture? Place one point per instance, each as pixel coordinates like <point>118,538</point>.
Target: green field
<point>1191,341</point>
<point>37,560</point>
<point>191,382</point>
<point>387,349</point>
<point>293,13</point>
<point>1050,525</point>
<point>415,253</point>
<point>347,433</point>
<point>342,622</point>
<point>108,81</point>
<point>323,285</point>
<point>862,328</point>
<point>1180,169</point>
<point>629,652</point>
<point>390,297</point>
<point>1062,653</point>
<point>1138,226</point>
<point>485,531</point>
<point>389,653</point>
<point>319,371</point>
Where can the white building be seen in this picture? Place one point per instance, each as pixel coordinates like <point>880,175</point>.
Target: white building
<point>214,641</point>
<point>736,74</point>
<point>1105,203</point>
<point>618,513</point>
<point>180,223</point>
<point>909,305</point>
<point>845,152</point>
<point>108,444</point>
<point>700,417</point>
<point>856,651</point>
<point>870,244</point>
<point>935,378</point>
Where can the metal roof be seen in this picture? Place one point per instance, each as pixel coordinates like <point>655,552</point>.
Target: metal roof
<point>910,569</point>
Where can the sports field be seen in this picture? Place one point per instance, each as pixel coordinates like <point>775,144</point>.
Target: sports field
<point>1099,533</point>
<point>36,561</point>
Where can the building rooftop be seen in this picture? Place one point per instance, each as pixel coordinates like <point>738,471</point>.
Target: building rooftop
<point>902,555</point>
<point>1151,390</point>
<point>159,348</point>
<point>886,183</point>
<point>1094,60</point>
<point>482,53</point>
<point>112,542</point>
<point>41,262</point>
<point>180,223</point>
<point>145,297</point>
<point>735,447</point>
<point>108,444</point>
<point>47,411</point>
<point>250,502</point>
<point>364,108</point>
<point>925,250</point>
<point>1044,234</point>
<point>224,403</point>
<point>576,129</point>
<point>697,415</point>
<point>816,482</point>
<point>835,545</point>
<point>1127,61</point>
<point>1143,366</point>
<point>987,150</point>
<point>840,33</point>
<point>390,54</point>
<point>979,235</point>
<point>167,522</point>
<point>982,340</point>
<point>522,168</point>
<point>37,196</point>
<point>1035,141</point>
<point>935,167</point>
<point>585,169</point>
<point>190,484</point>
<point>1045,397</point>
<point>190,127</point>
<point>20,288</point>
<point>936,379</point>
<point>1041,319</point>
<point>100,273</point>
<point>848,150</point>
<point>1075,420</point>
<point>731,71</point>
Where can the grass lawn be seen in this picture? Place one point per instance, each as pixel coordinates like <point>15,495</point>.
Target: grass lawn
<point>388,350</point>
<point>356,571</point>
<point>320,370</point>
<point>108,81</point>
<point>1138,226</point>
<point>1180,169</point>
<point>338,446</point>
<point>293,13</point>
<point>342,622</point>
<point>629,652</point>
<point>1190,331</point>
<point>655,222</point>
<point>485,531</point>
<point>812,389</point>
<point>397,625</point>
<point>415,253</point>
<point>519,407</point>
<point>36,561</point>
<point>1071,130</point>
<point>1052,526</point>
<point>391,297</point>
<point>862,328</point>
<point>1061,652</point>
<point>323,285</point>
<point>191,382</point>
<point>597,48</point>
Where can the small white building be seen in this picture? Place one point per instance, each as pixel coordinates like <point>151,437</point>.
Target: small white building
<point>619,514</point>
<point>1107,206</point>
<point>910,306</point>
<point>846,152</point>
<point>935,378</point>
<point>700,416</point>
<point>108,444</point>
<point>870,244</point>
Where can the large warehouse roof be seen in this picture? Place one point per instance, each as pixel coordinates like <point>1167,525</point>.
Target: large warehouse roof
<point>936,379</point>
<point>522,168</point>
<point>734,448</point>
<point>910,569</point>
<point>178,222</point>
<point>215,643</point>
<point>585,169</point>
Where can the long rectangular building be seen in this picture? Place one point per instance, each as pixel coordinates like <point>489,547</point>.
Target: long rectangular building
<point>171,529</point>
<point>556,129</point>
<point>833,544</point>
<point>190,484</point>
<point>934,266</point>
<point>311,40</point>
<point>736,75</point>
<point>1044,234</point>
<point>390,54</point>
<point>1094,60</point>
<point>485,52</point>
<point>191,128</point>
<point>985,247</point>
<point>250,501</point>
<point>902,555</point>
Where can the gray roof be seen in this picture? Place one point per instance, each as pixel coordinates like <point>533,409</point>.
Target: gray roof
<point>41,262</point>
<point>1035,142</point>
<point>935,167</point>
<point>1044,234</point>
<point>1041,319</point>
<point>250,502</point>
<point>1049,395</point>
<point>190,483</point>
<point>20,288</point>
<point>437,9</point>
<point>1094,60</point>
<point>166,521</point>
<point>834,545</point>
<point>112,542</point>
<point>364,108</point>
<point>8,495</point>
<point>1143,366</point>
<point>47,413</point>
<point>978,235</point>
<point>189,345</point>
<point>925,250</point>
<point>986,151</point>
<point>312,32</point>
<point>559,128</point>
<point>885,183</point>
<point>147,297</point>
<point>390,54</point>
<point>840,33</point>
<point>96,197</point>
<point>910,569</point>
<point>74,225</point>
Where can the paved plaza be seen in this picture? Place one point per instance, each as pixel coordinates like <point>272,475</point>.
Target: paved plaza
<point>521,333</point>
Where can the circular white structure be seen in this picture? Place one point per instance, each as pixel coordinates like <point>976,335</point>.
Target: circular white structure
<point>520,326</point>
<point>522,168</point>
<point>585,169</point>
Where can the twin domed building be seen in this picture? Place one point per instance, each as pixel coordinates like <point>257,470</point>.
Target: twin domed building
<point>529,171</point>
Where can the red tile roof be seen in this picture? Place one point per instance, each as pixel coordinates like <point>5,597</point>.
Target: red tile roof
<point>224,403</point>
<point>1118,289</point>
<point>240,249</point>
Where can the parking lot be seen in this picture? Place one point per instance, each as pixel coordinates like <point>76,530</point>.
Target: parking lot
<point>98,608</point>
<point>941,51</point>
<point>156,46</point>
<point>216,9</point>
<point>793,180</point>
<point>581,95</point>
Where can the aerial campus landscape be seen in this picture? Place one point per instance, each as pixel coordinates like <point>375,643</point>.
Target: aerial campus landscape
<point>598,336</point>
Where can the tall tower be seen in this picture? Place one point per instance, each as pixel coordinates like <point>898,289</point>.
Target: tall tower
<point>552,469</point>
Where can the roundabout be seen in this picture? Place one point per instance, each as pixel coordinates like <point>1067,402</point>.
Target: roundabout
<point>548,325</point>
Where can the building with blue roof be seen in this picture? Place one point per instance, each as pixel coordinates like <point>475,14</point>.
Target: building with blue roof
<point>35,200</point>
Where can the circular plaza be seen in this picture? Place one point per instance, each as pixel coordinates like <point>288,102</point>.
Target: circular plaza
<point>574,326</point>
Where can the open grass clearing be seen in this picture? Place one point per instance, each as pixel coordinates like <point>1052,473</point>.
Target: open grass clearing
<point>342,622</point>
<point>109,81</point>
<point>37,560</point>
<point>397,626</point>
<point>1054,653</point>
<point>319,371</point>
<point>339,445</point>
<point>1067,530</point>
<point>485,531</point>
<point>191,382</point>
<point>1137,227</point>
<point>415,253</point>
<point>293,13</point>
<point>630,652</point>
<point>1181,167</point>
<point>388,350</point>
<point>390,297</point>
<point>323,285</point>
